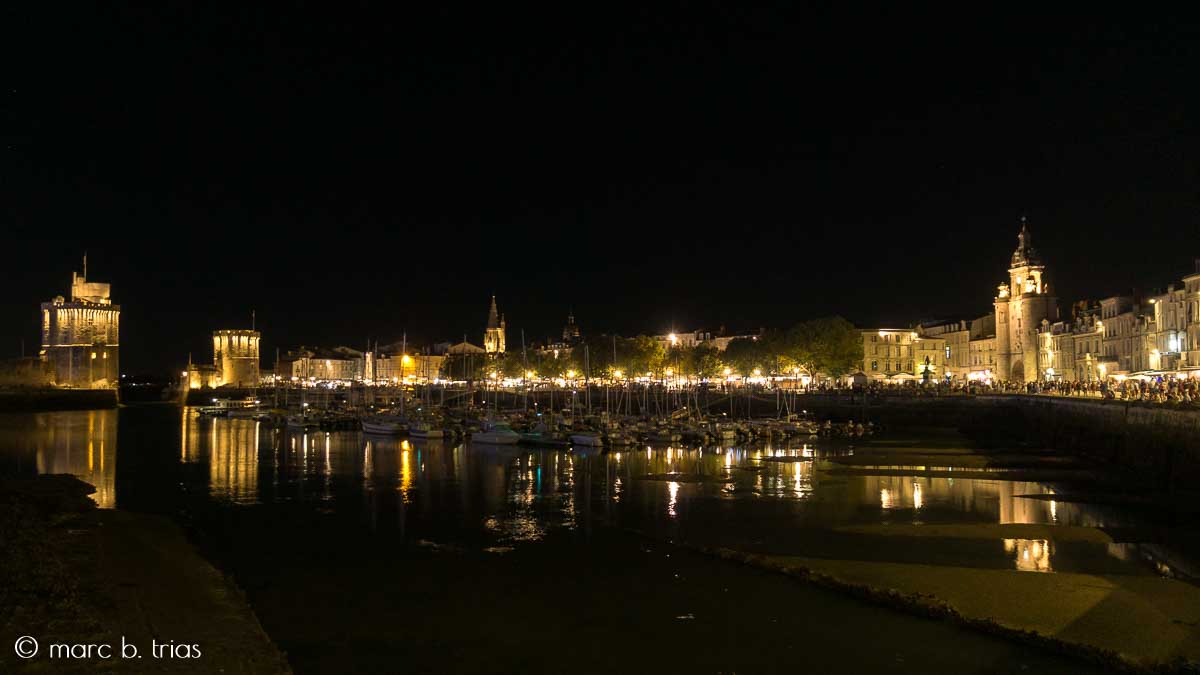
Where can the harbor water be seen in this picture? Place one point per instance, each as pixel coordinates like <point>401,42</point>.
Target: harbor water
<point>375,552</point>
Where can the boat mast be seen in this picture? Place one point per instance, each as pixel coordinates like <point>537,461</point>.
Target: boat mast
<point>587,370</point>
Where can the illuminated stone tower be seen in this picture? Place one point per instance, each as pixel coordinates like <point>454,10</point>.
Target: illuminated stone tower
<point>235,357</point>
<point>1021,304</point>
<point>80,342</point>
<point>493,337</point>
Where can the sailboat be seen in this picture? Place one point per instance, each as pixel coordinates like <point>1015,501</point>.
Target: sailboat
<point>385,424</point>
<point>424,427</point>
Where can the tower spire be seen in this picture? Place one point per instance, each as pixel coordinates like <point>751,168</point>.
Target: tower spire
<point>493,315</point>
<point>1025,254</point>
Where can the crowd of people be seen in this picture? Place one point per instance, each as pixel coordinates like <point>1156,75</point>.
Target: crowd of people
<point>1167,390</point>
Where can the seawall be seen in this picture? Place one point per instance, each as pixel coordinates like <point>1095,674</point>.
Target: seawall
<point>1158,444</point>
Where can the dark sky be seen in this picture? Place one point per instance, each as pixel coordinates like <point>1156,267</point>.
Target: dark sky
<point>352,173</point>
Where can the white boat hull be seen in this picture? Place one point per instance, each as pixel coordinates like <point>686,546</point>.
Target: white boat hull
<point>384,428</point>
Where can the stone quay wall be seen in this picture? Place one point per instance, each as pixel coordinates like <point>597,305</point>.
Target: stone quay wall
<point>1158,444</point>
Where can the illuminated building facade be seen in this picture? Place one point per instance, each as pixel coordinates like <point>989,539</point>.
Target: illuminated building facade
<point>902,354</point>
<point>696,338</point>
<point>493,336</point>
<point>887,352</point>
<point>80,337</point>
<point>340,365</point>
<point>383,369</point>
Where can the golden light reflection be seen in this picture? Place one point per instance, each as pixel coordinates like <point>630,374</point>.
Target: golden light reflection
<point>1030,555</point>
<point>82,444</point>
<point>673,489</point>
<point>885,499</point>
<point>918,496</point>
<point>405,473</point>
<point>230,446</point>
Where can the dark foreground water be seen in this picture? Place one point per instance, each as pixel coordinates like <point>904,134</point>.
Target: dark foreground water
<point>377,554</point>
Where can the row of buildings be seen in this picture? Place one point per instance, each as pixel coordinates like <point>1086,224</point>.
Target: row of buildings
<point>236,358</point>
<point>236,363</point>
<point>1025,338</point>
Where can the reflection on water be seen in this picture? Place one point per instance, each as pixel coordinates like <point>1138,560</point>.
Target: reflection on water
<point>1031,555</point>
<point>997,501</point>
<point>231,449</point>
<point>427,490</point>
<point>81,443</point>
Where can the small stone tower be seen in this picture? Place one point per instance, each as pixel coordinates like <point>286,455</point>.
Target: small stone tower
<point>493,336</point>
<point>235,357</point>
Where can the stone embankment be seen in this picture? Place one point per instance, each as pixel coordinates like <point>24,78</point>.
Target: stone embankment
<point>1158,444</point>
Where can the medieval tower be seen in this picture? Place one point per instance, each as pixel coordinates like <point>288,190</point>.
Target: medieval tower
<point>235,357</point>
<point>1021,305</point>
<point>80,344</point>
<point>493,336</point>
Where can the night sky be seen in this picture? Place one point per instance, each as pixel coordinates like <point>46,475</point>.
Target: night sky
<point>358,174</point>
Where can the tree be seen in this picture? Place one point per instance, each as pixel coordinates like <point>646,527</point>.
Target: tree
<point>599,355</point>
<point>645,355</point>
<point>705,361</point>
<point>837,346</point>
<point>510,365</point>
<point>744,355</point>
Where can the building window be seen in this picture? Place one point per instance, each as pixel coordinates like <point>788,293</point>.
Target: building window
<point>874,365</point>
<point>947,352</point>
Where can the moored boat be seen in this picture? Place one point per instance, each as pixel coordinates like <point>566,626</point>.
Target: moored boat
<point>497,433</point>
<point>588,439</point>
<point>390,425</point>
<point>302,422</point>
<point>423,429</point>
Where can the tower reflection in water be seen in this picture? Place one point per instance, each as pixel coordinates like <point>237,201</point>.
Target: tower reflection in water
<point>230,446</point>
<point>83,444</point>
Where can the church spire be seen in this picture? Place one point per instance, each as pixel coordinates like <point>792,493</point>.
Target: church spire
<point>493,315</point>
